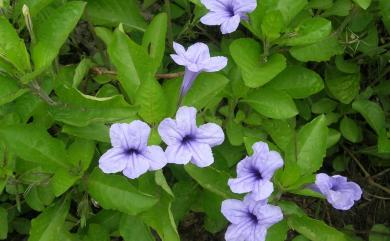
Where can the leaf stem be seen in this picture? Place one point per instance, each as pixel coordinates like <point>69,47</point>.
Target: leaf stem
<point>34,86</point>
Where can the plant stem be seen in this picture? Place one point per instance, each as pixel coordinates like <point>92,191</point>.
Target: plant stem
<point>34,86</point>
<point>169,13</point>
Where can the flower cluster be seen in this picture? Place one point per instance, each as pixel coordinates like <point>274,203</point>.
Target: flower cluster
<point>186,142</point>
<point>251,217</point>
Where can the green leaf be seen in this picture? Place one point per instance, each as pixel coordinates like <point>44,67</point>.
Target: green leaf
<point>211,179</point>
<point>312,144</point>
<point>277,232</point>
<point>339,8</point>
<point>346,66</point>
<point>372,113</point>
<point>154,39</point>
<point>9,90</point>
<point>152,101</point>
<point>160,218</point>
<point>314,229</point>
<point>48,225</point>
<point>333,137</point>
<point>282,133</point>
<point>319,51</point>
<point>133,228</point>
<point>96,132</point>
<point>344,87</point>
<point>36,145</point>
<point>205,87</point>
<point>323,105</point>
<point>272,24</point>
<point>132,62</point>
<point>82,110</point>
<point>247,54</point>
<point>116,193</point>
<point>81,70</point>
<point>3,223</point>
<point>309,32</point>
<point>52,33</point>
<point>211,206</point>
<point>12,48</point>
<point>272,103</point>
<point>351,130</point>
<point>111,13</point>
<point>97,232</point>
<point>363,3</point>
<point>298,82</point>
<point>379,232</point>
<point>290,8</point>
<point>384,6</point>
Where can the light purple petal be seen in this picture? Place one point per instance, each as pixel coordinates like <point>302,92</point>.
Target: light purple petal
<point>134,135</point>
<point>234,233</point>
<point>323,183</point>
<point>244,167</point>
<point>202,156</point>
<point>262,190</point>
<point>169,132</point>
<point>156,157</point>
<point>268,215</point>
<point>188,80</point>
<point>180,60</point>
<point>260,148</point>
<point>113,161</point>
<point>235,211</point>
<point>215,64</point>
<point>230,25</point>
<point>198,53</point>
<point>243,184</point>
<point>211,134</point>
<point>178,154</point>
<point>136,166</point>
<point>273,162</point>
<point>179,49</point>
<point>244,6</point>
<point>340,200</point>
<point>215,18</point>
<point>258,233</point>
<point>186,120</point>
<point>215,5</point>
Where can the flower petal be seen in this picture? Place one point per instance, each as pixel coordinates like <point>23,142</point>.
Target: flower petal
<point>260,148</point>
<point>202,156</point>
<point>186,120</point>
<point>323,183</point>
<point>170,132</point>
<point>215,64</point>
<point>180,60</point>
<point>156,157</point>
<point>244,6</point>
<point>178,154</point>
<point>268,215</point>
<point>198,53</point>
<point>211,134</point>
<point>257,234</point>
<point>214,5</point>
<point>235,211</point>
<point>134,135</point>
<point>243,184</point>
<point>136,166</point>
<point>262,190</point>
<point>238,232</point>
<point>340,200</point>
<point>179,49</point>
<point>273,162</point>
<point>230,25</point>
<point>113,161</point>
<point>215,18</point>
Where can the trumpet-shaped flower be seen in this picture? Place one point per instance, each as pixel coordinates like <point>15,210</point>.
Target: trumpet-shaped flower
<point>340,193</point>
<point>227,13</point>
<point>130,153</point>
<point>249,219</point>
<point>196,60</point>
<point>254,173</point>
<point>187,142</point>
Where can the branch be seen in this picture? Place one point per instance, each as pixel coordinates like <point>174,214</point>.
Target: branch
<point>102,71</point>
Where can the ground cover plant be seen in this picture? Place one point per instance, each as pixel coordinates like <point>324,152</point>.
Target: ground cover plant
<point>237,120</point>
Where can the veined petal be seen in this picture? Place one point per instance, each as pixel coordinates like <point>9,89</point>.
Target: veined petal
<point>188,80</point>
<point>215,5</point>
<point>260,148</point>
<point>244,6</point>
<point>178,154</point>
<point>186,120</point>
<point>113,161</point>
<point>258,233</point>
<point>215,64</point>
<point>180,60</point>
<point>262,190</point>
<point>156,157</point>
<point>268,215</point>
<point>211,134</point>
<point>239,232</point>
<point>136,166</point>
<point>215,18</point>
<point>230,25</point>
<point>179,49</point>
<point>170,132</point>
<point>273,162</point>
<point>243,184</point>
<point>202,155</point>
<point>323,183</point>
<point>340,200</point>
<point>134,135</point>
<point>198,53</point>
<point>235,211</point>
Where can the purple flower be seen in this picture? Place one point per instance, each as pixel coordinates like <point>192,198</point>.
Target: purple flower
<point>249,219</point>
<point>196,60</point>
<point>130,152</point>
<point>255,172</point>
<point>227,13</point>
<point>186,142</point>
<point>340,193</point>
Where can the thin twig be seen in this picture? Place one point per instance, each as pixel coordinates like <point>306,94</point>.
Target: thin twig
<point>36,89</point>
<point>102,71</point>
<point>365,172</point>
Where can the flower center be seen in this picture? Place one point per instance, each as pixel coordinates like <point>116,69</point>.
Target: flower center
<point>132,151</point>
<point>334,188</point>
<point>257,173</point>
<point>230,10</point>
<point>253,217</point>
<point>186,139</point>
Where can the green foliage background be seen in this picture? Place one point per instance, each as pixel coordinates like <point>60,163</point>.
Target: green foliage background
<point>309,77</point>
